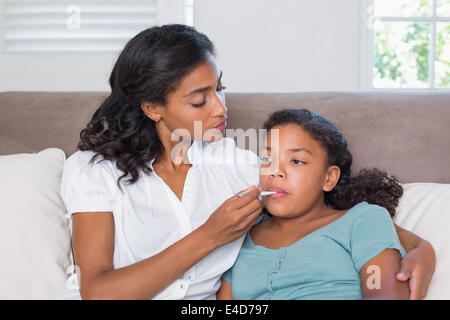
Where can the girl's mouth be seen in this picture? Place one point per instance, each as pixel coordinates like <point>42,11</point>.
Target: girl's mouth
<point>280,193</point>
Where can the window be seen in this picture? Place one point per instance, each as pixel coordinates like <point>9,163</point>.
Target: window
<point>80,25</point>
<point>408,44</point>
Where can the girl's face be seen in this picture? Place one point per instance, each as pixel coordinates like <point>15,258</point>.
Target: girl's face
<point>298,171</point>
<point>198,100</point>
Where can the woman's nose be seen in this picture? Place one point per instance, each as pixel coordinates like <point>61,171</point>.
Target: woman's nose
<point>220,107</point>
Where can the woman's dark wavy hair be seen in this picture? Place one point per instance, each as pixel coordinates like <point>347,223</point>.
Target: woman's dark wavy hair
<point>371,185</point>
<point>149,67</point>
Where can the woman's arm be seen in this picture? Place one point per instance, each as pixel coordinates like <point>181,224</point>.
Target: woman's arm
<point>225,291</point>
<point>418,265</point>
<point>378,277</point>
<point>93,244</point>
<point>408,239</point>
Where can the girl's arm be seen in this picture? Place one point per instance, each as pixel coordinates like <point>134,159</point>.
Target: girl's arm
<point>418,265</point>
<point>225,292</point>
<point>378,277</point>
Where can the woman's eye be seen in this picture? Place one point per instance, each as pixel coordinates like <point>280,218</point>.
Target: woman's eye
<point>221,88</point>
<point>199,105</point>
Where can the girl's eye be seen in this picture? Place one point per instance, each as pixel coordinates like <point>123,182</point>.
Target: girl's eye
<point>295,161</point>
<point>221,88</point>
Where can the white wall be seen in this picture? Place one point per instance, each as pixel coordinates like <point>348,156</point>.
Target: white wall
<point>262,45</point>
<point>284,45</point>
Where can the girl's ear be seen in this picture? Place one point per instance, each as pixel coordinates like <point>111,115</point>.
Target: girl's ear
<point>331,178</point>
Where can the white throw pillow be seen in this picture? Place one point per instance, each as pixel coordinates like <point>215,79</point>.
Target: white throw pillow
<point>424,209</point>
<point>34,235</point>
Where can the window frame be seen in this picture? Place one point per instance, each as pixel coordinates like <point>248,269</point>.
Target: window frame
<point>367,46</point>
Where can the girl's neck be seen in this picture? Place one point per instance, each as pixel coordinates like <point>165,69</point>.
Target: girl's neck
<point>317,211</point>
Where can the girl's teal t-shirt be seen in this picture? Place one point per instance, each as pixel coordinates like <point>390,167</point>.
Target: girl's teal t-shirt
<point>324,264</point>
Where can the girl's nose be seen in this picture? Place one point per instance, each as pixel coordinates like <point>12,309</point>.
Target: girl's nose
<point>278,173</point>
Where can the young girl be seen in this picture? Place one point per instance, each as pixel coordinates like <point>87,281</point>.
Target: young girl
<point>324,235</point>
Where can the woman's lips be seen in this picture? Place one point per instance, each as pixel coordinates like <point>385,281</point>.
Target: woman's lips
<point>280,193</point>
<point>222,126</point>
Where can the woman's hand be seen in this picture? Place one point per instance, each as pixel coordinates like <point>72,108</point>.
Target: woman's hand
<point>234,217</point>
<point>418,265</point>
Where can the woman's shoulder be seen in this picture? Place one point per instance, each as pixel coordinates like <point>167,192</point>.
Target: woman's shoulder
<point>80,167</point>
<point>82,159</point>
<point>86,186</point>
<point>224,151</point>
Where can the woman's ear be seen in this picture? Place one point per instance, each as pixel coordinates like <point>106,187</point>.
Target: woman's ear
<point>152,110</point>
<point>331,178</point>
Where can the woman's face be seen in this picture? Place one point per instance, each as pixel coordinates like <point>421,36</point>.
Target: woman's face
<point>300,176</point>
<point>197,106</point>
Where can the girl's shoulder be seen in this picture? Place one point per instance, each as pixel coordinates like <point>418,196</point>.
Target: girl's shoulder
<point>364,208</point>
<point>369,219</point>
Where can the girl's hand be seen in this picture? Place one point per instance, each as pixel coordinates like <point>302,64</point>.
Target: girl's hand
<point>234,217</point>
<point>418,267</point>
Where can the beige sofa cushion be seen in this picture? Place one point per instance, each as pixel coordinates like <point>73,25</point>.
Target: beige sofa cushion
<point>425,210</point>
<point>34,235</point>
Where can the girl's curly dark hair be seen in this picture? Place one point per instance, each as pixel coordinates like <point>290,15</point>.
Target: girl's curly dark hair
<point>371,185</point>
<point>149,67</point>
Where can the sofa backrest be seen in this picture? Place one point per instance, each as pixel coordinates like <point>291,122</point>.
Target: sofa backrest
<point>406,134</point>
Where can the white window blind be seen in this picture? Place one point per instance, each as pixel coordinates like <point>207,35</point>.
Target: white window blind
<point>95,25</point>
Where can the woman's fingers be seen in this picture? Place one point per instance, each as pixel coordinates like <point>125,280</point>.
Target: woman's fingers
<point>251,218</point>
<point>250,207</point>
<point>417,288</point>
<point>234,217</point>
<point>405,270</point>
<point>413,272</point>
<point>251,194</point>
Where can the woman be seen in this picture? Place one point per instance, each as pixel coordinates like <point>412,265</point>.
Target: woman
<point>173,228</point>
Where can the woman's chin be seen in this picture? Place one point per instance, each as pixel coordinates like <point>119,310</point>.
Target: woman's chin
<point>213,135</point>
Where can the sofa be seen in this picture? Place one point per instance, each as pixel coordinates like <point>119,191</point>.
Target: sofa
<point>406,134</point>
